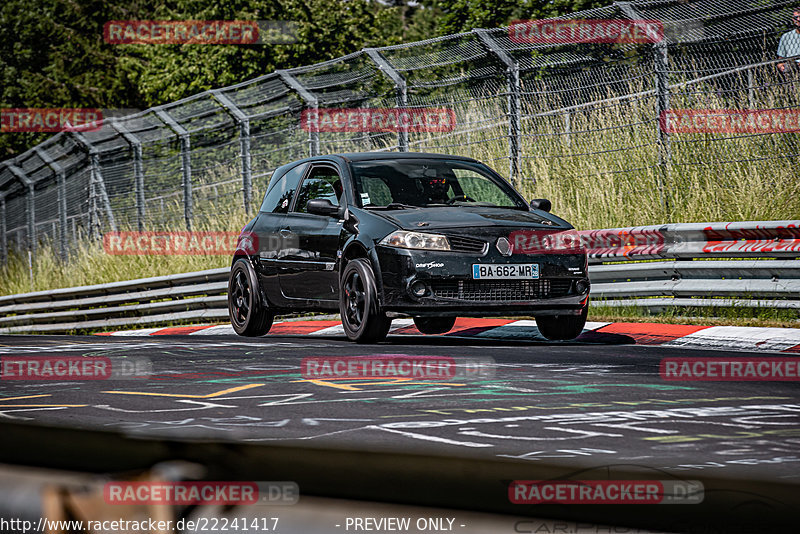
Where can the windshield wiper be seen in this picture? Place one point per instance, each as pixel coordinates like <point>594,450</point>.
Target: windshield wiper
<point>393,206</point>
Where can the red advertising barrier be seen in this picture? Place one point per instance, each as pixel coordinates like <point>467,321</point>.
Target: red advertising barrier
<point>750,240</point>
<point>623,242</point>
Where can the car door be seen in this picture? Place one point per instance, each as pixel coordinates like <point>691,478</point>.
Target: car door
<point>309,271</point>
<point>272,246</point>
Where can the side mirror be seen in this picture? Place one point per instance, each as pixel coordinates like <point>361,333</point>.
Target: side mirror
<point>541,204</point>
<point>322,206</point>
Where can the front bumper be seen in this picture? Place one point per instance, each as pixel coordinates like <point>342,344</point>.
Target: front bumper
<point>449,288</point>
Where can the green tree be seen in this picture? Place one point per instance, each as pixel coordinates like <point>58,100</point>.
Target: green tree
<point>52,53</point>
<point>457,16</point>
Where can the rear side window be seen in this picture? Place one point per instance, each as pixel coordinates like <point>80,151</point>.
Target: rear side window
<point>279,196</point>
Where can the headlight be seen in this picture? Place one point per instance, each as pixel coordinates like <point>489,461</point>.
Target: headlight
<point>417,240</point>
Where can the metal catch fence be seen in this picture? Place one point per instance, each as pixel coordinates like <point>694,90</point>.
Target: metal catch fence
<point>531,109</point>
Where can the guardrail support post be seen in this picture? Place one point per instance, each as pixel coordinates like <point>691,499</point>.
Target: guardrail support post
<point>514,105</point>
<point>186,163</point>
<point>30,184</point>
<point>138,171</point>
<point>61,181</point>
<point>244,144</point>
<point>97,184</point>
<point>401,99</point>
<point>312,104</point>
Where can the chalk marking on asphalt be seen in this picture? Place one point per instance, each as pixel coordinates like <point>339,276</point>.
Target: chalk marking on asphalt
<point>437,439</point>
<point>203,406</point>
<point>187,396</point>
<point>25,397</point>
<point>43,406</point>
<point>314,421</point>
<point>303,438</point>
<point>373,382</point>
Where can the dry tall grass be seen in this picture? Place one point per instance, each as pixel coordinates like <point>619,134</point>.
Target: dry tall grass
<point>603,172</point>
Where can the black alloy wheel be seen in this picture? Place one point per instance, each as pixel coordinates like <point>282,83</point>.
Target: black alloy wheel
<point>362,320</point>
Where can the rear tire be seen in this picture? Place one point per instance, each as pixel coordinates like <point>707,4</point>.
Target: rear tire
<point>249,317</point>
<point>562,327</point>
<point>362,319</point>
<point>434,325</point>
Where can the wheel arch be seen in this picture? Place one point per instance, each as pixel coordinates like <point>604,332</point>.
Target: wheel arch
<point>251,261</point>
<point>358,249</point>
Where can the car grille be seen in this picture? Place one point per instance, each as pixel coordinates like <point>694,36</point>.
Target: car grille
<point>460,243</point>
<point>501,290</point>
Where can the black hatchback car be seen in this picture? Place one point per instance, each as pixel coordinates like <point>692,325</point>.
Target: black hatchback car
<point>383,235</point>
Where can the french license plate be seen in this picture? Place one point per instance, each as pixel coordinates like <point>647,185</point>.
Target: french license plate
<point>512,271</point>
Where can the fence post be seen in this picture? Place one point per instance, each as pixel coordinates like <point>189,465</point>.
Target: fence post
<point>138,171</point>
<point>662,106</point>
<point>98,184</point>
<point>312,104</point>
<point>514,105</point>
<point>30,184</point>
<point>244,144</point>
<point>61,181</point>
<point>661,67</point>
<point>567,128</point>
<point>751,90</point>
<point>186,163</point>
<point>401,98</point>
<point>3,240</point>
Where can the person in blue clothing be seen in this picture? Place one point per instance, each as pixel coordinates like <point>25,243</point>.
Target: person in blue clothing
<point>789,44</point>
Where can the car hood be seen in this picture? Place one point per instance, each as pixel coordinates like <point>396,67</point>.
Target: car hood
<point>466,218</point>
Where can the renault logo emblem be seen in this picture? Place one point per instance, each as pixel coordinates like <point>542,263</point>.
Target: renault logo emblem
<point>503,246</point>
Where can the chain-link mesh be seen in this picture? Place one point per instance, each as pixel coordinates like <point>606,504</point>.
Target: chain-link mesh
<point>553,115</point>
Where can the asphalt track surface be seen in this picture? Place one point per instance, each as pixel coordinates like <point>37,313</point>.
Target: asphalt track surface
<point>602,401</point>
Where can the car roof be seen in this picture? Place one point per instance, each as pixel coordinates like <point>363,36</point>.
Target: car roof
<point>370,156</point>
<point>376,156</point>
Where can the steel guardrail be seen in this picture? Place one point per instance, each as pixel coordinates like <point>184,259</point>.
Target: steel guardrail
<point>749,264</point>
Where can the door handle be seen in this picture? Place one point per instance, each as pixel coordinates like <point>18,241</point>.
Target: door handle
<point>285,232</point>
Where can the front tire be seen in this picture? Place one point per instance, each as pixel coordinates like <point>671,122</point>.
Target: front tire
<point>434,325</point>
<point>249,317</point>
<point>562,327</point>
<point>362,319</point>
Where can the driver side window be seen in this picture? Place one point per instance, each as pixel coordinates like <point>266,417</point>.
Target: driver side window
<point>321,183</point>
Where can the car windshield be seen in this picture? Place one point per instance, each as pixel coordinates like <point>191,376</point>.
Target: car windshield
<point>429,182</point>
